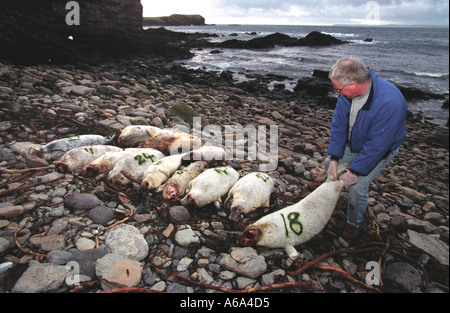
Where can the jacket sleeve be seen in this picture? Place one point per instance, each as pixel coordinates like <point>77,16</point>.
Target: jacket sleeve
<point>339,128</point>
<point>382,133</point>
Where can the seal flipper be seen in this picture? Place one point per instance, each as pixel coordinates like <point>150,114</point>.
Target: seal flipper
<point>292,254</point>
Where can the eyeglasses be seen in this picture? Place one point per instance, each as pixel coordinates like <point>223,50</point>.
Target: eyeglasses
<point>339,91</point>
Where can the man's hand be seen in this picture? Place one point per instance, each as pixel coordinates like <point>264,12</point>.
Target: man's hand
<point>349,179</point>
<point>332,169</point>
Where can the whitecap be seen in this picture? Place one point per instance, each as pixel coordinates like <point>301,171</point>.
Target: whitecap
<point>340,34</point>
<point>437,75</point>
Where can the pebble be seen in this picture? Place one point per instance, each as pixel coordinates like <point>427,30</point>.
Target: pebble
<point>82,201</point>
<point>59,257</point>
<point>184,264</point>
<point>4,244</point>
<point>185,236</point>
<point>127,240</point>
<point>84,244</point>
<point>179,214</point>
<point>410,196</point>
<point>101,214</point>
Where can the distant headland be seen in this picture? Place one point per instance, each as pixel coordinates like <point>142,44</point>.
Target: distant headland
<point>174,20</point>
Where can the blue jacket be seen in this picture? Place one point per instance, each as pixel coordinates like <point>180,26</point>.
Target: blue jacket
<point>380,126</point>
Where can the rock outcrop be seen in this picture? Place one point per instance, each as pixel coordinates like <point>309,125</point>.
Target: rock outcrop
<point>175,20</point>
<point>36,32</point>
<point>312,39</point>
<point>111,14</point>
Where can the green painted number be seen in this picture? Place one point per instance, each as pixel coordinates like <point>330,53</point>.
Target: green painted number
<point>74,138</point>
<point>222,170</point>
<point>294,223</point>
<point>142,158</point>
<point>263,177</point>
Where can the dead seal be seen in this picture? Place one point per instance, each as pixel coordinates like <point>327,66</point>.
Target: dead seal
<point>295,224</point>
<point>77,158</point>
<point>176,186</point>
<point>249,193</point>
<point>210,186</point>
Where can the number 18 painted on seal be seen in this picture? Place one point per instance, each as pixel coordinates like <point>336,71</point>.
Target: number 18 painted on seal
<point>294,223</point>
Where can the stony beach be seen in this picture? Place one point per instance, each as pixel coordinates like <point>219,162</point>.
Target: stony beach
<point>54,225</point>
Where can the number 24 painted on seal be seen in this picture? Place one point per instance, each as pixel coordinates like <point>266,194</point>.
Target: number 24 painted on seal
<point>294,223</point>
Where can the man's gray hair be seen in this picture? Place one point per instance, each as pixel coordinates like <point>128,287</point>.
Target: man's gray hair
<point>349,69</point>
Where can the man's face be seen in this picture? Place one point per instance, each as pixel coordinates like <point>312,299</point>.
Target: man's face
<point>347,91</point>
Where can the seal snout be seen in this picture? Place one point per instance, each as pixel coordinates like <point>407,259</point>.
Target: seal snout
<point>172,193</point>
<point>236,214</point>
<point>250,237</point>
<point>189,201</point>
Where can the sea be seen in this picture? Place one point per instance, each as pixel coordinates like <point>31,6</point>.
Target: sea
<point>409,56</point>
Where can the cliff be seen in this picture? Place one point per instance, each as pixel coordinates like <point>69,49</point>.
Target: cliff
<point>36,32</point>
<point>109,14</point>
<point>175,20</point>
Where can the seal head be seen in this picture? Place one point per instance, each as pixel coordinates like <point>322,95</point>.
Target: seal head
<point>250,237</point>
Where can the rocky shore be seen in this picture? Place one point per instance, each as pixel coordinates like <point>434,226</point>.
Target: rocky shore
<point>121,240</point>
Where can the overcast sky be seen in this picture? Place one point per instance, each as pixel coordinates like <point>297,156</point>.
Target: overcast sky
<point>306,12</point>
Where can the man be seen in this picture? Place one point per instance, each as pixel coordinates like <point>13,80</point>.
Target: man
<point>368,126</point>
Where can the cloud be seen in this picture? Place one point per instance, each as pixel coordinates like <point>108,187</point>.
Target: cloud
<point>307,11</point>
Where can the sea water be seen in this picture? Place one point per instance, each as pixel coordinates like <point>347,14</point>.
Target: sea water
<point>409,56</point>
